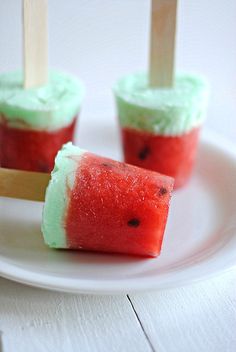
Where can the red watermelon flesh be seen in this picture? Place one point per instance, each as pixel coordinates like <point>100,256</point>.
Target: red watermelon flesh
<point>170,155</point>
<point>115,207</point>
<point>32,150</point>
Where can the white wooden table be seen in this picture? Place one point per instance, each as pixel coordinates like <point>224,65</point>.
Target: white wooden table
<point>200,317</point>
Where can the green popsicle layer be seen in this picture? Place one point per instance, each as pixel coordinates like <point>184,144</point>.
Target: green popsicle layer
<point>163,111</point>
<point>57,195</point>
<point>43,108</point>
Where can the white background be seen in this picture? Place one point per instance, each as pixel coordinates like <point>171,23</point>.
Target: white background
<point>100,40</point>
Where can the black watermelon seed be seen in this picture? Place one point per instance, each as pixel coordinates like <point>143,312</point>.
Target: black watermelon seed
<point>133,222</point>
<point>143,154</point>
<point>106,165</point>
<point>162,191</point>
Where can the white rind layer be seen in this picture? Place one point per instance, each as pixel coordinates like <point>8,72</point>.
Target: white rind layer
<point>49,107</point>
<point>162,111</point>
<point>56,199</point>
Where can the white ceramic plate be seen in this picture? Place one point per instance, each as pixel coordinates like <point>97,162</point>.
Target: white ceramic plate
<point>200,238</point>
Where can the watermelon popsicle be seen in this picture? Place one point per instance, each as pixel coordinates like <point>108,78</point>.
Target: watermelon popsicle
<point>36,122</point>
<point>160,126</point>
<point>97,204</point>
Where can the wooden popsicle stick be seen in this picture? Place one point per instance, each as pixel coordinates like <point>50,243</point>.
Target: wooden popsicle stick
<point>23,184</point>
<point>162,43</point>
<point>35,43</point>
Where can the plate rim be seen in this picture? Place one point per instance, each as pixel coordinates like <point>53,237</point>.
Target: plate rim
<point>27,277</point>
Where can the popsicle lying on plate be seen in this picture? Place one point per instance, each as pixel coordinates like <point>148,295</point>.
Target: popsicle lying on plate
<point>97,204</point>
<point>160,126</point>
<point>36,122</point>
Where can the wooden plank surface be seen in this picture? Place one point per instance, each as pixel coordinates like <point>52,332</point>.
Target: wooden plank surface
<point>39,320</point>
<point>200,318</point>
<point>197,318</point>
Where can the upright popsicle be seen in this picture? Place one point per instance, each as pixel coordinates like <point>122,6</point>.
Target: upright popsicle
<point>161,112</point>
<point>38,109</point>
<point>97,204</point>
